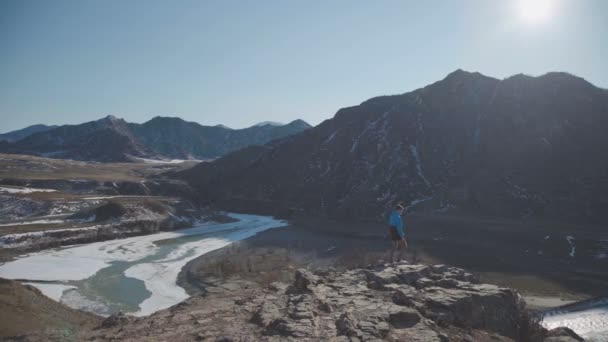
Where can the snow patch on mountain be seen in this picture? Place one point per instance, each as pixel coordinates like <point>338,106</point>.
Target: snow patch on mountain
<point>414,150</point>
<point>572,246</point>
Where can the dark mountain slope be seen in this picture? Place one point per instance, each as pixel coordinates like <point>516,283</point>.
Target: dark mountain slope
<point>515,147</point>
<point>181,139</point>
<point>24,132</point>
<point>107,139</point>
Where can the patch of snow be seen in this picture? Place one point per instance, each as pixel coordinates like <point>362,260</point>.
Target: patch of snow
<point>110,197</point>
<point>385,196</point>
<point>331,137</point>
<point>23,190</point>
<point>53,291</point>
<point>572,246</point>
<point>419,123</point>
<point>23,223</point>
<point>62,208</point>
<point>372,126</point>
<point>143,183</point>
<point>326,170</point>
<point>416,202</point>
<point>166,161</point>
<point>21,239</point>
<point>414,150</point>
<point>268,123</point>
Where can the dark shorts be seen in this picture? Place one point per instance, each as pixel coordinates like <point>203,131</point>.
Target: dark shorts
<point>394,234</point>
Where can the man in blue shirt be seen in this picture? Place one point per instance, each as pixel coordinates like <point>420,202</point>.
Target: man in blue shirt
<point>396,229</point>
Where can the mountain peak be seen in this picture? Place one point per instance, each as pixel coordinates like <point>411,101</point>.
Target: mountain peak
<point>110,119</point>
<point>460,74</point>
<point>299,123</point>
<point>268,123</point>
<point>159,118</point>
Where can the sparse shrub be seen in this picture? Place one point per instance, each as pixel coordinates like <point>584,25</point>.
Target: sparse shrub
<point>155,205</point>
<point>110,210</point>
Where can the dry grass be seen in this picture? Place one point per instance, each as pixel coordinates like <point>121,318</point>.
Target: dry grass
<point>31,167</point>
<point>23,309</point>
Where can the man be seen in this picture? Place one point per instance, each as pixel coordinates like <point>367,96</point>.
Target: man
<point>397,235</point>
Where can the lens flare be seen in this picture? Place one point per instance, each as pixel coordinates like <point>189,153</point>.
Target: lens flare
<point>536,11</point>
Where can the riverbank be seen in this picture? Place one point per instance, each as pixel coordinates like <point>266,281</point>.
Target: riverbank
<point>545,281</point>
<point>135,275</point>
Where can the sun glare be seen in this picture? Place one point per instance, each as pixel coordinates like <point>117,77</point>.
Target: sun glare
<point>535,11</point>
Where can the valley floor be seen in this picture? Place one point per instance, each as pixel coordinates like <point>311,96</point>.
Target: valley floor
<point>247,266</point>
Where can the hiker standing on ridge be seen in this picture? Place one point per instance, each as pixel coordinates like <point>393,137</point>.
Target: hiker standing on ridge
<point>397,235</point>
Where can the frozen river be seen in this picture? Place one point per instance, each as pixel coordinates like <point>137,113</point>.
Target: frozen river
<point>589,319</point>
<point>136,275</point>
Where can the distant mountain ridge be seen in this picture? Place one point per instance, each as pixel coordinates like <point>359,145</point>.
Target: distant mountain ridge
<point>111,139</point>
<point>24,132</point>
<point>518,147</point>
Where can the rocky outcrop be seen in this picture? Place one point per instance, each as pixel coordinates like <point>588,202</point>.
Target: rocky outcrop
<point>400,302</point>
<point>397,302</point>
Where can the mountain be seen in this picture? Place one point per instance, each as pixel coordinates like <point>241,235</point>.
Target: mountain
<point>114,140</point>
<point>176,138</point>
<point>104,140</point>
<point>515,147</point>
<point>24,132</point>
<point>271,123</point>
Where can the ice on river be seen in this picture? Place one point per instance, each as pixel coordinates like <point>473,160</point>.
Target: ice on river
<point>53,291</point>
<point>589,319</point>
<point>159,274</point>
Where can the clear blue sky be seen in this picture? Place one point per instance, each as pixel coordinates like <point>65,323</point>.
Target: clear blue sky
<point>241,62</point>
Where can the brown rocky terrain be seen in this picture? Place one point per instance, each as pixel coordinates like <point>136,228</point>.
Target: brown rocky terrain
<point>398,302</point>
<point>25,310</point>
<point>47,203</point>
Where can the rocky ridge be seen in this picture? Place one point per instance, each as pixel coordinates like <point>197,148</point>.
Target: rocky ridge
<point>112,139</point>
<point>398,302</point>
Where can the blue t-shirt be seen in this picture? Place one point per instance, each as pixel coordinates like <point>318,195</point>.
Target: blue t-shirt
<point>396,221</point>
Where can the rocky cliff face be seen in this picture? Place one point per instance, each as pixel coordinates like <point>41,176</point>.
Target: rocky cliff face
<point>114,140</point>
<point>398,302</point>
<point>516,147</point>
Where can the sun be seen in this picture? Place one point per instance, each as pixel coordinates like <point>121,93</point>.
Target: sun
<point>535,11</point>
